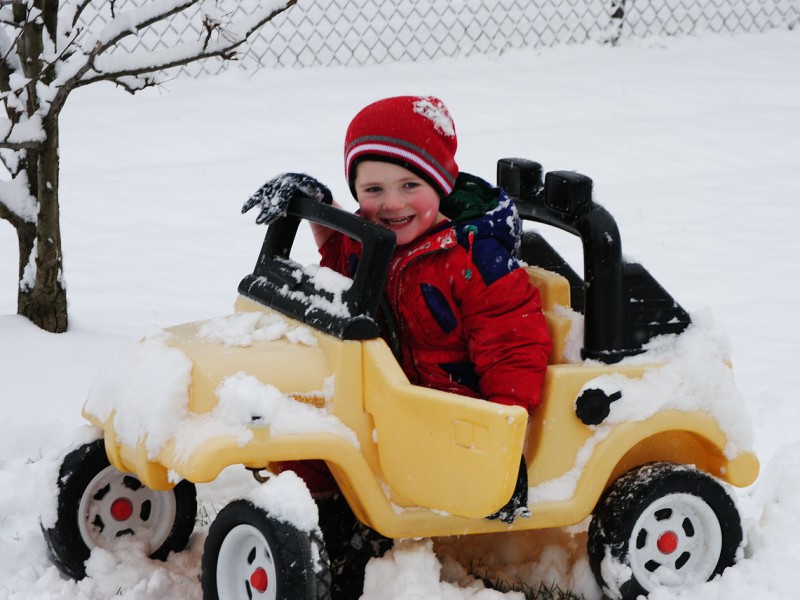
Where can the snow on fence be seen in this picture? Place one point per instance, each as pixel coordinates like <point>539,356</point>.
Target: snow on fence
<point>324,33</point>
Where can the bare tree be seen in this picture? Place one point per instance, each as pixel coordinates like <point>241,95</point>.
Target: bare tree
<point>46,53</point>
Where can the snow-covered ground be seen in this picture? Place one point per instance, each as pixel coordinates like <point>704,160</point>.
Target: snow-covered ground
<point>694,146</point>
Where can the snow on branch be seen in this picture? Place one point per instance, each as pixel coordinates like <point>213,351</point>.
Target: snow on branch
<point>130,22</point>
<point>89,59</point>
<point>16,203</point>
<point>47,50</point>
<point>27,133</point>
<point>9,61</point>
<point>221,40</point>
<point>78,11</point>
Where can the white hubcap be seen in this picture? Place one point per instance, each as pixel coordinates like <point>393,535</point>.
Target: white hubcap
<point>676,542</point>
<point>245,567</point>
<point>116,511</point>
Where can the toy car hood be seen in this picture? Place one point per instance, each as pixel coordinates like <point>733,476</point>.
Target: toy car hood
<point>212,380</point>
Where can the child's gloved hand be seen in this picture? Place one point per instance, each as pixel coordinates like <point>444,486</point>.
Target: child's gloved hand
<point>275,195</point>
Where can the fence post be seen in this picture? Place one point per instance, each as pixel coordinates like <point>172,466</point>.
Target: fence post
<point>617,20</point>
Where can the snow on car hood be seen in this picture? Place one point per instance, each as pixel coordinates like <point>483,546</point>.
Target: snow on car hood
<point>218,377</point>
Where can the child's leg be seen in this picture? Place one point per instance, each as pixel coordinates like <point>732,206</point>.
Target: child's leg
<point>517,506</point>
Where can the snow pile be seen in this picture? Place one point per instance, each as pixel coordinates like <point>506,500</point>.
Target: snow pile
<point>130,576</point>
<point>147,393</point>
<point>412,570</point>
<point>327,279</point>
<point>521,560</point>
<point>246,328</point>
<point>574,342</point>
<point>695,376</point>
<point>614,573</point>
<point>17,199</point>
<point>287,499</point>
<point>246,403</point>
<point>329,283</point>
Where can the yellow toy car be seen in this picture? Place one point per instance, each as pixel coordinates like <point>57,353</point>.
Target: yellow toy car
<point>640,426</point>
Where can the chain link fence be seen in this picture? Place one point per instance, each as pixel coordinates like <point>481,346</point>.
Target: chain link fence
<point>322,33</point>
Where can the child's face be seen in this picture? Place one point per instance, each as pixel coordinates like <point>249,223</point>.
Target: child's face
<point>396,198</point>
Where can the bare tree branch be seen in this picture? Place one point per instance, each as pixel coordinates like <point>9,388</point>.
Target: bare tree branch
<point>24,134</point>
<point>135,83</point>
<point>23,145</point>
<point>79,11</point>
<point>108,37</point>
<point>181,55</point>
<point>186,53</point>
<point>148,16</point>
<point>127,72</point>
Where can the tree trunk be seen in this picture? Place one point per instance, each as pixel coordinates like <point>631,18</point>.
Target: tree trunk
<point>42,296</point>
<point>33,25</point>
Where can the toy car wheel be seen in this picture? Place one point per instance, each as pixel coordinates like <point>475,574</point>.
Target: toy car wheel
<point>350,545</point>
<point>99,506</point>
<point>662,524</point>
<point>250,555</point>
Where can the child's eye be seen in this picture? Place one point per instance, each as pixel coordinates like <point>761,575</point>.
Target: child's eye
<point>410,185</point>
<point>373,189</point>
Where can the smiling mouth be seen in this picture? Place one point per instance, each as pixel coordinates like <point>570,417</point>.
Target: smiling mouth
<point>398,222</point>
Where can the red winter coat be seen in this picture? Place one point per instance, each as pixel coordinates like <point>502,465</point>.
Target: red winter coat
<point>468,319</point>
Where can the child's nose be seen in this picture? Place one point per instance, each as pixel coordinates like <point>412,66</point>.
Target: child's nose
<point>393,201</point>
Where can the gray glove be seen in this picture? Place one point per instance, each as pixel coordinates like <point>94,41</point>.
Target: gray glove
<point>275,195</point>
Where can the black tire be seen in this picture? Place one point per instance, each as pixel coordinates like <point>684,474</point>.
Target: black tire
<point>350,545</point>
<point>662,524</point>
<point>99,506</point>
<point>250,555</point>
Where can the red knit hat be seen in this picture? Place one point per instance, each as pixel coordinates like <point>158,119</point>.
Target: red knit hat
<point>415,132</point>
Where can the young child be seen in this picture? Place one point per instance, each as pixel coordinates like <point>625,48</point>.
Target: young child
<point>469,321</point>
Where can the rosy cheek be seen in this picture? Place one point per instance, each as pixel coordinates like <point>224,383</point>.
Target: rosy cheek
<point>370,215</point>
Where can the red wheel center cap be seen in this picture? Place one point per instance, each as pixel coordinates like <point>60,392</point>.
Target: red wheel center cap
<point>258,580</point>
<point>668,542</point>
<point>121,509</point>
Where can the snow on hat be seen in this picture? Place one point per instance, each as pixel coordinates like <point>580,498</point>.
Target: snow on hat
<point>415,132</point>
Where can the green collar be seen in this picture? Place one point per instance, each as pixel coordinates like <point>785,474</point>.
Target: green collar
<point>471,198</point>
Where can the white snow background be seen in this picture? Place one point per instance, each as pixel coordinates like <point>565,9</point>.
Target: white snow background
<point>693,144</point>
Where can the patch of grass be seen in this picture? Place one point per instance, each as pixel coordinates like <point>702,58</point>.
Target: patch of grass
<point>542,592</point>
<point>532,592</point>
<point>205,514</point>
